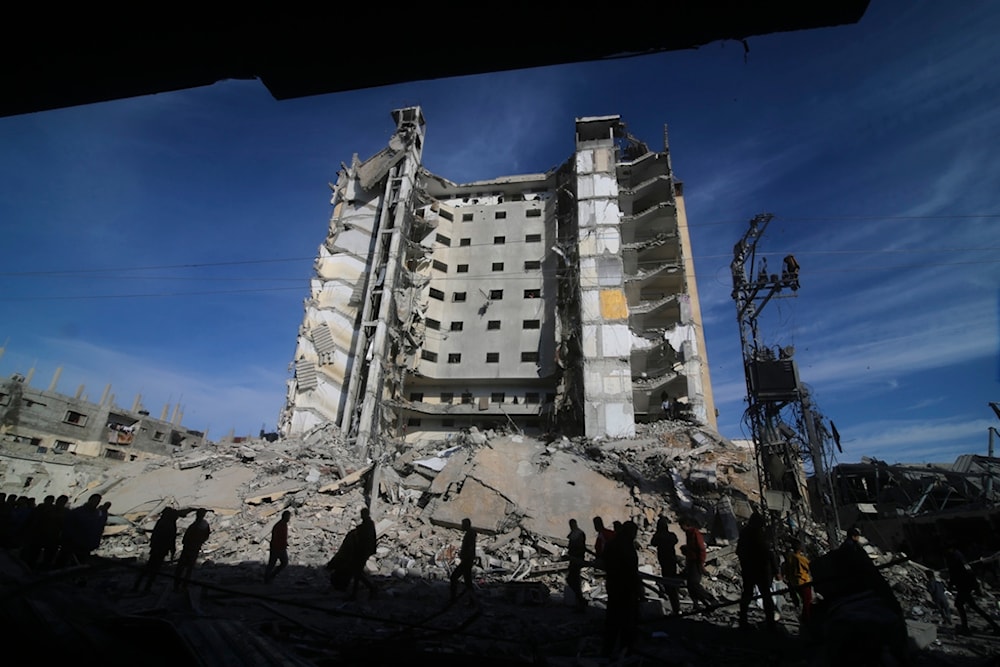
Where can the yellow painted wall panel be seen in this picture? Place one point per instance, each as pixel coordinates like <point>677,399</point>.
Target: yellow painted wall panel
<point>613,304</point>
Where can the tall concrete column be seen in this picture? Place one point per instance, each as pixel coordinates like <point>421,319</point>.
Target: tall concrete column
<point>606,339</point>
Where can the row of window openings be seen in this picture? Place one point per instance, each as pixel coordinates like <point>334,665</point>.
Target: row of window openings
<point>497,240</point>
<point>450,423</point>
<point>497,215</point>
<point>491,357</point>
<point>495,294</point>
<point>491,325</point>
<point>448,398</point>
<point>530,265</point>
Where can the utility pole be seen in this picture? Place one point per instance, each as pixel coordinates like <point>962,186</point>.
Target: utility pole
<point>773,385</point>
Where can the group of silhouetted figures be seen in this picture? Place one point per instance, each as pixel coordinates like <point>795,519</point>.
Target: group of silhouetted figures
<point>55,535</point>
<point>52,534</point>
<point>858,602</point>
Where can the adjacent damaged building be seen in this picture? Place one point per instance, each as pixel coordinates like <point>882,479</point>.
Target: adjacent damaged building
<point>561,300</point>
<point>920,508</point>
<point>46,424</point>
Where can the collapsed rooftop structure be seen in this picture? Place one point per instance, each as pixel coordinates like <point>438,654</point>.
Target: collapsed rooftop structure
<point>920,508</point>
<point>563,301</point>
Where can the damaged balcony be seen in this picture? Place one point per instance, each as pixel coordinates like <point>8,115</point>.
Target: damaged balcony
<point>658,314</point>
<point>650,192</point>
<point>655,359</point>
<point>653,297</point>
<point>642,169</point>
<point>658,220</point>
<point>639,256</point>
<point>647,393</point>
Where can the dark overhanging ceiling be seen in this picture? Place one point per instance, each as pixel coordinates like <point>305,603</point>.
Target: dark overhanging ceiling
<point>82,55</point>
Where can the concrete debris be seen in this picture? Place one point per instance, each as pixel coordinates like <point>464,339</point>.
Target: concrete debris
<point>519,494</point>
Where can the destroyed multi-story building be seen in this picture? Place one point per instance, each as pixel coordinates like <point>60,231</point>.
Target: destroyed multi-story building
<point>47,424</point>
<point>559,300</point>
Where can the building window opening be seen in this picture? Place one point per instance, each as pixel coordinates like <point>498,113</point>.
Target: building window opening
<point>498,266</point>
<point>532,293</point>
<point>454,357</point>
<point>496,294</point>
<point>493,357</point>
<point>456,326</point>
<point>76,418</point>
<point>427,355</point>
<point>497,397</point>
<point>499,240</point>
<point>459,296</point>
<point>493,325</point>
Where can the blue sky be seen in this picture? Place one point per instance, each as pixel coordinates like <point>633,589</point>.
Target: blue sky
<point>164,244</point>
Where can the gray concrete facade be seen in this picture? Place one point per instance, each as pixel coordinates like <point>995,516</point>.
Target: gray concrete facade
<point>564,300</point>
<point>47,422</point>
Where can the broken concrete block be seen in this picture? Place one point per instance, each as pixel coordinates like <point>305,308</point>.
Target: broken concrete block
<point>353,478</point>
<point>921,634</point>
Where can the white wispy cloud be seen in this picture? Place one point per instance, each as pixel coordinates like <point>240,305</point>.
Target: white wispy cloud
<point>914,441</point>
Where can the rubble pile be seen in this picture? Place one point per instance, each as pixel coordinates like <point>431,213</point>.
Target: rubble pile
<point>519,493</point>
<point>671,468</point>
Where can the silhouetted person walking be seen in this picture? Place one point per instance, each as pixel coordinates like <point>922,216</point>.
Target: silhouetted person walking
<point>278,551</point>
<point>163,541</point>
<point>577,553</point>
<point>757,565</point>
<point>194,537</point>
<point>624,588</point>
<point>365,542</point>
<point>966,586</point>
<point>666,554</point>
<point>466,556</point>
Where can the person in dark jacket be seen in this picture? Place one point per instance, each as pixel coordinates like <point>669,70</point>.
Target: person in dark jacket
<point>277,559</point>
<point>577,552</point>
<point>163,541</point>
<point>758,566</point>
<point>666,554</point>
<point>964,581</point>
<point>365,541</point>
<point>624,588</point>
<point>467,554</point>
<point>194,537</point>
